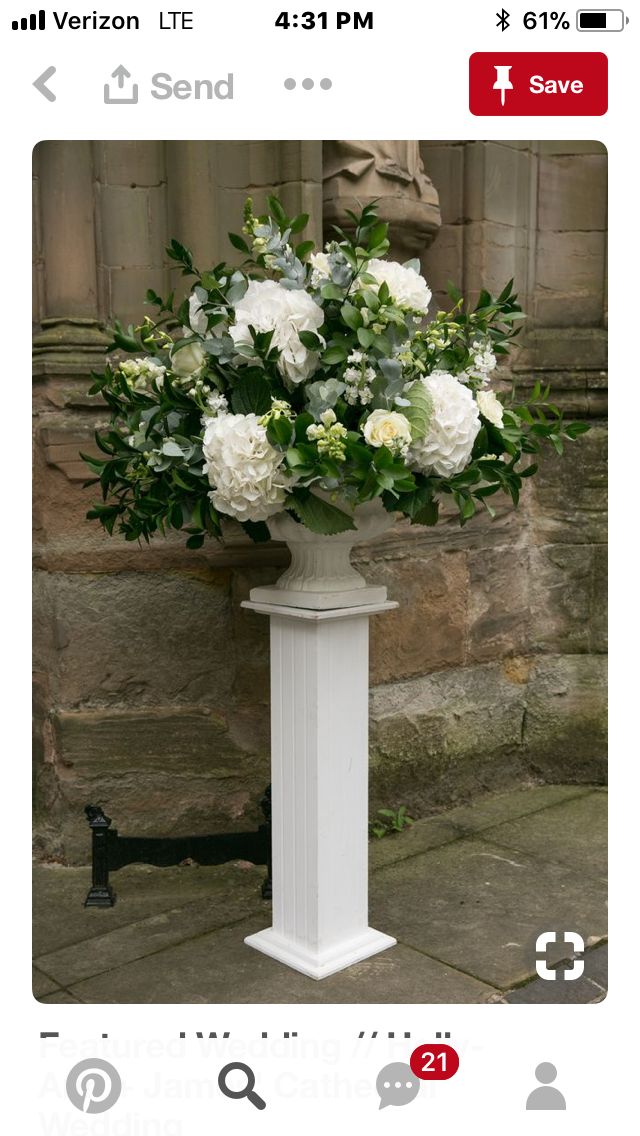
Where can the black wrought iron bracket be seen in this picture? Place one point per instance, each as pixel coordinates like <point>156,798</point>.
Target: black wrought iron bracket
<point>102,835</point>
<point>110,851</point>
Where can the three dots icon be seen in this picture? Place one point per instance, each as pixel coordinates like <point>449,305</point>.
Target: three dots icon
<point>307,84</point>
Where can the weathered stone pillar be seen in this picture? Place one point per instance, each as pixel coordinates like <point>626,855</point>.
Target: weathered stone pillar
<point>391,172</point>
<point>131,224</point>
<point>67,297</point>
<point>191,200</point>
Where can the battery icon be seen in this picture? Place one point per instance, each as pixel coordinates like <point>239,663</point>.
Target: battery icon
<point>601,20</point>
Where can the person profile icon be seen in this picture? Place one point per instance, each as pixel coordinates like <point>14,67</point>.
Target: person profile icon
<point>545,1096</point>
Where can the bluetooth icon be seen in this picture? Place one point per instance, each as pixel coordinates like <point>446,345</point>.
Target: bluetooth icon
<point>503,20</point>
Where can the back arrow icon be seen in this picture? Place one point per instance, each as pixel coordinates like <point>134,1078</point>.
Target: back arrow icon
<point>40,84</point>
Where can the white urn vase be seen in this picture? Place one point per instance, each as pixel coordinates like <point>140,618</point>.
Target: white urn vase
<point>321,575</point>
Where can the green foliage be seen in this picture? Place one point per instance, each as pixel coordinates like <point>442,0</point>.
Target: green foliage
<point>389,821</point>
<point>371,352</point>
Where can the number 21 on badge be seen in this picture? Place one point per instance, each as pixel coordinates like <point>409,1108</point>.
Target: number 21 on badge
<point>436,1062</point>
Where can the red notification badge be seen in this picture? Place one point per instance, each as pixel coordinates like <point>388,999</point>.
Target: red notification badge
<point>435,1062</point>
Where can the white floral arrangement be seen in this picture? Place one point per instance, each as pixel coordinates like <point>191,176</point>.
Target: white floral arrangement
<point>307,370</point>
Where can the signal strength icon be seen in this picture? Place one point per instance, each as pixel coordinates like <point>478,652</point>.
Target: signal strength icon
<point>35,22</point>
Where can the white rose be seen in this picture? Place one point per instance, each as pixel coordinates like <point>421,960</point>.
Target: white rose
<point>187,359</point>
<point>406,286</point>
<point>243,468</point>
<point>321,270</point>
<point>268,306</point>
<point>490,407</point>
<point>453,428</point>
<point>388,428</point>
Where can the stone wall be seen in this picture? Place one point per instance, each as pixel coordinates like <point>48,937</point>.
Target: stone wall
<point>152,686</point>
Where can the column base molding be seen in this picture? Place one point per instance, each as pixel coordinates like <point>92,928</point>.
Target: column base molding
<point>320,964</point>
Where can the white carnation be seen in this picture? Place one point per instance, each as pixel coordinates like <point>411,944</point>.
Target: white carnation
<point>490,407</point>
<point>268,306</point>
<point>243,468</point>
<point>406,286</point>
<point>446,448</point>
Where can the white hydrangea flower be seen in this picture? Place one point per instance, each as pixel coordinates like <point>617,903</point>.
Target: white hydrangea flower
<point>244,469</point>
<point>388,428</point>
<point>268,306</point>
<point>490,407</point>
<point>446,448</point>
<point>406,286</point>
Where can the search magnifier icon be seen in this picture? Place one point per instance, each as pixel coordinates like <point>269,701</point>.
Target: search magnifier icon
<point>247,1091</point>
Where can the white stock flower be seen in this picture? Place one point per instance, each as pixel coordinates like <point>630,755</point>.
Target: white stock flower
<point>446,448</point>
<point>267,306</point>
<point>490,407</point>
<point>217,403</point>
<point>187,360</point>
<point>243,468</point>
<point>321,271</point>
<point>406,286</point>
<point>141,373</point>
<point>388,428</point>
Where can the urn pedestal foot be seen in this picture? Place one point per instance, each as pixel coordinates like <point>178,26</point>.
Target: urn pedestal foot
<point>319,774</point>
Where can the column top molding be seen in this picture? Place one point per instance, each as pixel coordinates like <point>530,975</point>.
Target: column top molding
<point>310,614</point>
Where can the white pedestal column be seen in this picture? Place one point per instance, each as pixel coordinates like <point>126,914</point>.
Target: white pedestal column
<point>319,794</point>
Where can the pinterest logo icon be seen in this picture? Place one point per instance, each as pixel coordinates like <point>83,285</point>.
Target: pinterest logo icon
<point>93,1085</point>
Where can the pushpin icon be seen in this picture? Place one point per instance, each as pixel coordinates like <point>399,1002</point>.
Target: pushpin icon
<point>503,82</point>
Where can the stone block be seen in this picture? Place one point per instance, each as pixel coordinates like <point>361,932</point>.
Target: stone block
<point>572,192</point>
<point>130,163</point>
<point>132,226</point>
<point>498,183</point>
<point>440,738</point>
<point>498,620</point>
<point>564,732</point>
<point>168,772</point>
<point>127,288</point>
<point>568,598</point>
<point>427,631</point>
<point>144,640</point>
<point>577,146</point>
<point>494,254</point>
<point>444,164</point>
<point>569,493</point>
<point>444,261</point>
<point>570,272</point>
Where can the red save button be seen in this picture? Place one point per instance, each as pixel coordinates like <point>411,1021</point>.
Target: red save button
<point>538,82</point>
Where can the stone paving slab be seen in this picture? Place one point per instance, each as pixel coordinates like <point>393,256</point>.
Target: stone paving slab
<point>219,968</point>
<point>501,807</point>
<point>41,983</point>
<point>572,833</point>
<point>419,837</point>
<point>479,907</point>
<point>60,919</point>
<point>590,987</point>
<point>465,892</point>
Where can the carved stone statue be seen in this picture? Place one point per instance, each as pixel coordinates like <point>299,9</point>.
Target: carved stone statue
<point>392,172</point>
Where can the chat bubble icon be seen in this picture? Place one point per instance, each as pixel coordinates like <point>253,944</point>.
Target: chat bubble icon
<point>397,1084</point>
